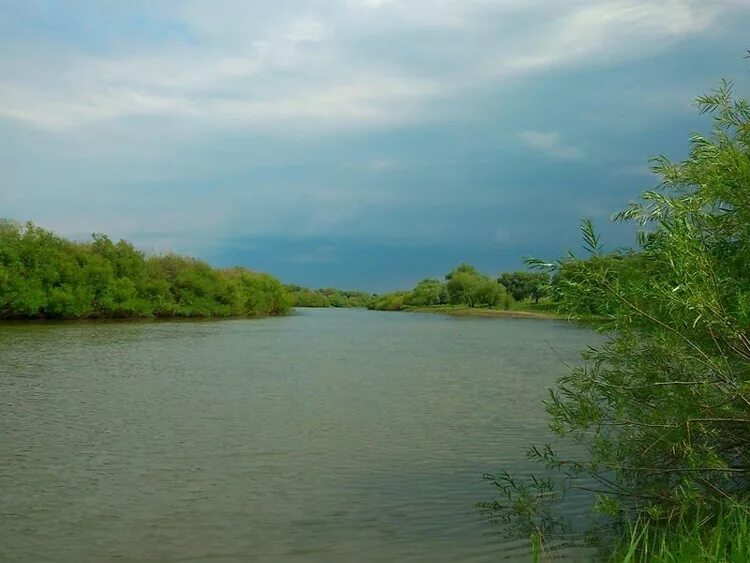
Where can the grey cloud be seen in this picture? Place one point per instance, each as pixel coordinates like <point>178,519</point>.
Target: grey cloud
<point>551,144</point>
<point>459,130</point>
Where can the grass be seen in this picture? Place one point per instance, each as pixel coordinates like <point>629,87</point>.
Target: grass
<point>700,537</point>
<point>524,309</point>
<point>464,311</point>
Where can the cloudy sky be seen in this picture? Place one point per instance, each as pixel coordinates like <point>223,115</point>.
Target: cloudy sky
<point>356,143</point>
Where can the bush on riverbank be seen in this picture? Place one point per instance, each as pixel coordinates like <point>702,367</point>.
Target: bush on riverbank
<point>45,276</point>
<point>663,406</point>
<point>395,301</point>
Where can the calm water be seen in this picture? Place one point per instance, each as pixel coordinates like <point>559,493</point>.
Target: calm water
<point>326,436</point>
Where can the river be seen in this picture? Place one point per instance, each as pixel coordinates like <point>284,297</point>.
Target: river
<point>329,435</point>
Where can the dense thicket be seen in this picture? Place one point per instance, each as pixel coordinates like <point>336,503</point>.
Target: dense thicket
<point>327,297</point>
<point>45,276</point>
<point>664,405</point>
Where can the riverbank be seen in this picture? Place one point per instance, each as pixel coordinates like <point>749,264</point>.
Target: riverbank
<point>21,321</point>
<point>464,311</point>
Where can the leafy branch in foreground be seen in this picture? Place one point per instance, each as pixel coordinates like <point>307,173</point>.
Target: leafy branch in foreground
<point>663,406</point>
<point>526,505</point>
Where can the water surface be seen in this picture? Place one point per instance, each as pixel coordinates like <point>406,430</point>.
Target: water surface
<point>331,435</point>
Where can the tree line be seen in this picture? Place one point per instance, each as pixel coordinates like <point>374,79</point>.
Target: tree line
<point>466,286</point>
<point>45,276</point>
<point>327,297</point>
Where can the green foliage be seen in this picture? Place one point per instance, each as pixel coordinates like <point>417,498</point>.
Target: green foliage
<point>525,285</point>
<point>45,276</point>
<point>461,288</point>
<point>390,301</point>
<point>463,268</point>
<point>464,286</point>
<point>697,537</point>
<point>427,293</point>
<point>663,406</point>
<point>571,273</point>
<point>525,505</point>
<point>328,297</point>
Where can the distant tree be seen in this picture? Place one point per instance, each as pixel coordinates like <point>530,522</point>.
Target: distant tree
<point>463,268</point>
<point>488,292</point>
<point>524,285</point>
<point>465,285</point>
<point>428,292</point>
<point>462,288</point>
<point>327,297</point>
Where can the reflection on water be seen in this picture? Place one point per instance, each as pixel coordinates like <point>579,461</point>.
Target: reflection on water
<point>329,436</point>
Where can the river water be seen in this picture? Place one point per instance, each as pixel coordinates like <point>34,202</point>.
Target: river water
<point>329,435</point>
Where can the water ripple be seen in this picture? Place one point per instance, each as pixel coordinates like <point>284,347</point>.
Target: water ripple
<point>325,436</point>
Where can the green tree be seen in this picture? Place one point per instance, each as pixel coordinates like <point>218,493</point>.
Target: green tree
<point>462,288</point>
<point>488,292</point>
<point>465,285</point>
<point>663,406</point>
<point>463,268</point>
<point>428,292</point>
<point>524,285</point>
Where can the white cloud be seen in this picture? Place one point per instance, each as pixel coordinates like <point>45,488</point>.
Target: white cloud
<point>551,144</point>
<point>580,33</point>
<point>262,65</point>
